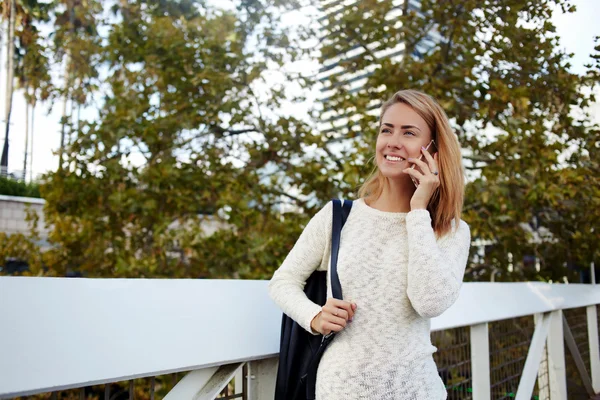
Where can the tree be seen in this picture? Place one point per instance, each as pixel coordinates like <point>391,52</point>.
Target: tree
<point>189,137</point>
<point>9,11</point>
<point>76,46</point>
<point>496,68</point>
<point>26,61</point>
<point>32,64</point>
<point>186,138</point>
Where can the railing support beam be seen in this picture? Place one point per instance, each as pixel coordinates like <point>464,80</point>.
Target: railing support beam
<point>191,384</point>
<point>556,357</point>
<point>262,375</point>
<point>239,381</point>
<point>480,361</point>
<point>543,380</point>
<point>592,324</point>
<point>572,345</point>
<point>534,356</point>
<point>204,384</point>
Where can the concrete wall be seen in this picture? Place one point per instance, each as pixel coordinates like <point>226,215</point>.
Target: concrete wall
<point>13,214</point>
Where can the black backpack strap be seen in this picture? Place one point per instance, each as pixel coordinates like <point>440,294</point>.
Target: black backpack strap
<point>340,215</point>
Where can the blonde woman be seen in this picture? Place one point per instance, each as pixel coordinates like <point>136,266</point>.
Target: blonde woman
<point>401,261</point>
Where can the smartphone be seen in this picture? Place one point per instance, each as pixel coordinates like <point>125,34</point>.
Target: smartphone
<point>432,148</point>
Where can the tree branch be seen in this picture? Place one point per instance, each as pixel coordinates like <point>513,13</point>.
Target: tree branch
<point>413,43</point>
<point>289,196</point>
<point>333,158</point>
<point>479,159</point>
<point>231,132</point>
<point>448,45</point>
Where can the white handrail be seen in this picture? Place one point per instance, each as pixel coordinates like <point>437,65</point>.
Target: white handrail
<point>20,199</point>
<point>60,333</point>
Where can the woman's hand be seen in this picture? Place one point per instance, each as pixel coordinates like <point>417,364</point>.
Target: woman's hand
<point>428,179</point>
<point>334,316</point>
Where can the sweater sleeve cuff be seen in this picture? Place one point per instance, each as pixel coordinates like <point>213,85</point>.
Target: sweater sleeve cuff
<point>418,217</point>
<point>309,317</point>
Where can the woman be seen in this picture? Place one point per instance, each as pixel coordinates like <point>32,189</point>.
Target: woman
<point>402,258</point>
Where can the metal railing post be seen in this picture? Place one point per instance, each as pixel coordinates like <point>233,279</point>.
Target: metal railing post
<point>592,325</point>
<point>579,363</point>
<point>239,381</point>
<point>480,361</point>
<point>556,357</point>
<point>262,375</point>
<point>543,380</point>
<point>534,356</point>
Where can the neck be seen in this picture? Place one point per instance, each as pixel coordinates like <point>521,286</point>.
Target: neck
<point>395,197</point>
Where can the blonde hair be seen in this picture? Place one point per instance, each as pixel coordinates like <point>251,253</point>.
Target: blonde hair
<point>446,203</point>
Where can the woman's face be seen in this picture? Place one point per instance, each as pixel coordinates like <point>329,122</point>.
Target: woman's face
<point>401,135</point>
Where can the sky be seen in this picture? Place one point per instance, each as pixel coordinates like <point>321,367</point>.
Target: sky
<point>576,30</point>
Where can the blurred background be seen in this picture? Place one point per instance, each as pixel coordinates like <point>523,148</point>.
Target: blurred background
<point>194,139</point>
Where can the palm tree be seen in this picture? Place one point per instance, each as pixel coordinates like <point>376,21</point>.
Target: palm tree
<point>77,42</point>
<point>31,64</point>
<point>26,137</point>
<point>1,38</point>
<point>10,46</point>
<point>32,132</point>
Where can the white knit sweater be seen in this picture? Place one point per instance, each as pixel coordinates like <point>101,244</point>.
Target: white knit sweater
<point>400,276</point>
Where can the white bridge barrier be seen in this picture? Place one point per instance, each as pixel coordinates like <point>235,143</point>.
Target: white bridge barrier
<point>65,333</point>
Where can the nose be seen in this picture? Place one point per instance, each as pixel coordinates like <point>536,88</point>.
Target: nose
<point>395,142</point>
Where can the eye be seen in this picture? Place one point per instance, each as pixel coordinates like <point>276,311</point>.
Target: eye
<point>386,130</point>
<point>409,133</point>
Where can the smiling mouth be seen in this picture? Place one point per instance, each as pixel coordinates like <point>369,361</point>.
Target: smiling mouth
<point>393,158</point>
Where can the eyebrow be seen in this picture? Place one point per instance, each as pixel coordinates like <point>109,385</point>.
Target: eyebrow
<point>402,126</point>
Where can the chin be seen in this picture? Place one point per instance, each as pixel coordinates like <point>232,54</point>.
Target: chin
<point>394,173</point>
<point>396,177</point>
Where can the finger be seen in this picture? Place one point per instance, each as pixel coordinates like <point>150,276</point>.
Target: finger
<point>343,313</point>
<point>338,312</point>
<point>329,309</point>
<point>352,311</point>
<point>338,302</point>
<point>336,320</point>
<point>349,310</point>
<point>431,161</point>
<point>329,327</point>
<point>343,305</point>
<point>422,164</point>
<point>350,307</point>
<point>414,173</point>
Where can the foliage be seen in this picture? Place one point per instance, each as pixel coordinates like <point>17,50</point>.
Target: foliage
<point>520,114</point>
<point>191,169</point>
<point>23,251</point>
<point>28,63</point>
<point>12,187</point>
<point>185,140</point>
<point>32,67</point>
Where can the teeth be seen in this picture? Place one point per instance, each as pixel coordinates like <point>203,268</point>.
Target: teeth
<point>392,158</point>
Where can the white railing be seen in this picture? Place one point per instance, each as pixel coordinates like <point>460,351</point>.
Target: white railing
<point>58,334</point>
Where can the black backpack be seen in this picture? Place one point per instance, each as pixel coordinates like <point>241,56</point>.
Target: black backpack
<point>300,351</point>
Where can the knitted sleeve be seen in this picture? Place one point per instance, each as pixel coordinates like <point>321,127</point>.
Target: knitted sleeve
<point>435,267</point>
<point>286,287</point>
